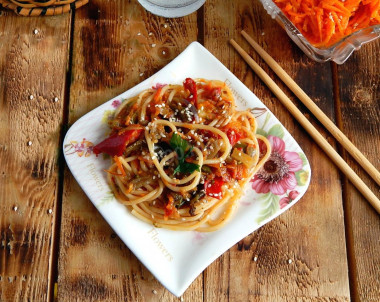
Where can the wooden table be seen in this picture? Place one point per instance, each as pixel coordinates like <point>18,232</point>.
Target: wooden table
<point>53,70</point>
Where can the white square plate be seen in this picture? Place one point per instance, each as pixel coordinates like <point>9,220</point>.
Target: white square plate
<point>176,258</point>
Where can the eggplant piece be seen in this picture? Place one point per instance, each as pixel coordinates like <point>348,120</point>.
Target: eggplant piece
<point>199,194</point>
<point>137,146</point>
<point>184,110</point>
<point>162,149</point>
<point>179,200</point>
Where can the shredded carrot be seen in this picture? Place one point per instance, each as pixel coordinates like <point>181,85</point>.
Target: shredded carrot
<point>325,22</point>
<point>119,165</point>
<point>157,94</point>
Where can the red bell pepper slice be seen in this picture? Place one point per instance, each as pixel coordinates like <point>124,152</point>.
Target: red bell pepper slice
<point>214,94</point>
<point>233,136</point>
<point>190,85</point>
<point>116,143</point>
<point>213,187</point>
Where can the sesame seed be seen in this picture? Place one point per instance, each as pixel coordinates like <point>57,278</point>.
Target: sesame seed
<point>50,211</point>
<point>290,261</point>
<point>153,45</point>
<point>15,208</point>
<point>165,25</point>
<point>31,97</point>
<point>139,34</point>
<point>164,52</point>
<point>29,143</point>
<point>35,31</point>
<point>255,258</point>
<point>146,128</point>
<point>154,177</point>
<point>154,291</point>
<point>141,74</point>
<point>150,34</point>
<point>56,100</point>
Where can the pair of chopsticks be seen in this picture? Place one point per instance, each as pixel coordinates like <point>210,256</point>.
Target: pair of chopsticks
<point>313,132</point>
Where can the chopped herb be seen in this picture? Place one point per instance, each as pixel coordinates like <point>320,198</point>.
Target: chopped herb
<point>179,144</point>
<point>183,150</point>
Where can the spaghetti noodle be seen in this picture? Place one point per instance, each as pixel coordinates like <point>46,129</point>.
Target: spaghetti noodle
<point>182,154</point>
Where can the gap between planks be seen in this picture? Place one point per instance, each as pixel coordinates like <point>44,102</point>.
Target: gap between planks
<point>347,222</point>
<point>53,266</point>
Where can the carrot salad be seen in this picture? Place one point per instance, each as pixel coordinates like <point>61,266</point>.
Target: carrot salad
<point>325,22</point>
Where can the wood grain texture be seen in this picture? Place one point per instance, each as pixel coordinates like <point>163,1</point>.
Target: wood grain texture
<point>359,101</point>
<point>311,234</point>
<point>116,45</point>
<point>33,62</point>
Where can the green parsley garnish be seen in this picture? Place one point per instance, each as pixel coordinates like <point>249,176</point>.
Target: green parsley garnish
<point>183,150</point>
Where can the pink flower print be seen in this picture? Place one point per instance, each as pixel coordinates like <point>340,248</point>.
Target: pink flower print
<point>158,86</point>
<point>288,199</point>
<point>116,103</point>
<point>284,202</point>
<point>85,148</point>
<point>278,173</point>
<point>198,237</point>
<point>293,194</point>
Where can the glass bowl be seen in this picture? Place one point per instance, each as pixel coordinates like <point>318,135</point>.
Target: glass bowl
<point>339,52</point>
<point>171,8</point>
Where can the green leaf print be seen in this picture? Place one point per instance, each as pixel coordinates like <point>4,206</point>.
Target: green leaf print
<point>107,198</point>
<point>303,158</point>
<point>261,132</point>
<point>270,205</point>
<point>302,176</point>
<point>276,130</point>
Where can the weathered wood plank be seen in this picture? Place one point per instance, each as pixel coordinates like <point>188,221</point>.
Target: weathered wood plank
<point>33,62</point>
<point>117,44</point>
<point>359,81</point>
<point>297,256</point>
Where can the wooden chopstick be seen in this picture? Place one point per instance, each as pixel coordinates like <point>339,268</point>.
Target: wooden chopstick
<point>318,138</point>
<point>318,113</point>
